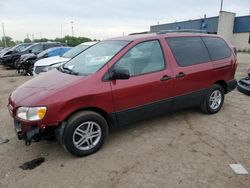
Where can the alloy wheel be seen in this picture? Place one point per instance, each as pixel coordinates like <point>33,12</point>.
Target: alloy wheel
<point>215,99</point>
<point>87,135</point>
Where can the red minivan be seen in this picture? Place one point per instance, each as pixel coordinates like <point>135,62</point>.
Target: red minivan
<point>122,80</point>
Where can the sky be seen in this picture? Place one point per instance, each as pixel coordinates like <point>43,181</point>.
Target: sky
<point>102,19</point>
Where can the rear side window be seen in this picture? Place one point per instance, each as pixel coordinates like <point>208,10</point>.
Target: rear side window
<point>188,50</point>
<point>217,48</point>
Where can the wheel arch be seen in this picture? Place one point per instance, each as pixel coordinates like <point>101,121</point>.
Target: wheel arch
<point>111,121</point>
<point>223,84</point>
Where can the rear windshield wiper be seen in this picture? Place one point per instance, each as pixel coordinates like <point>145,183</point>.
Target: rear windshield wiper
<point>67,70</point>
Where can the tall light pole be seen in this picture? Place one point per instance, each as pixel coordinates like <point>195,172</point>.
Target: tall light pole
<point>61,30</point>
<point>4,37</point>
<point>221,5</point>
<point>72,28</point>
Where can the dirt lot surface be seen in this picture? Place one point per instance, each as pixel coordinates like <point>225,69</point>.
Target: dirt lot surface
<point>186,149</point>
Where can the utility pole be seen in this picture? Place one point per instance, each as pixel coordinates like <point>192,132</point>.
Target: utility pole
<point>61,30</point>
<point>221,5</point>
<point>4,37</point>
<point>72,28</point>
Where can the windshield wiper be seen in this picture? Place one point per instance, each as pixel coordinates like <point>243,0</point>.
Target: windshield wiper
<point>68,70</point>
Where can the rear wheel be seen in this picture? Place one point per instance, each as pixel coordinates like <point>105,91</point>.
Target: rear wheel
<point>213,100</point>
<point>85,133</point>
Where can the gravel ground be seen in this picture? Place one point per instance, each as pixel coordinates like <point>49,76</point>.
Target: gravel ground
<point>186,149</point>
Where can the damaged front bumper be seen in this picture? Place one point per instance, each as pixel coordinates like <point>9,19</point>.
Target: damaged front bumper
<point>33,133</point>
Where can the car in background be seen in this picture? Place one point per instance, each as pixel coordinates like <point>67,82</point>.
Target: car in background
<point>244,85</point>
<point>12,59</point>
<point>6,53</point>
<point>44,65</point>
<point>4,50</point>
<point>27,61</point>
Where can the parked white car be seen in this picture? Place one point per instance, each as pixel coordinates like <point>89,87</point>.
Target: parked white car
<point>47,64</point>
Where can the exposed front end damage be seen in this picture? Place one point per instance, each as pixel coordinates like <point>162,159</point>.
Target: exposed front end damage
<point>32,133</point>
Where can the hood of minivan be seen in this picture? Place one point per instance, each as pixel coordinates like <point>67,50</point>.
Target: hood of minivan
<point>42,86</point>
<point>51,60</point>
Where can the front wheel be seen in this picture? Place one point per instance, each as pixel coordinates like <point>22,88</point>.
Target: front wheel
<point>213,100</point>
<point>16,63</point>
<point>30,70</point>
<point>85,133</point>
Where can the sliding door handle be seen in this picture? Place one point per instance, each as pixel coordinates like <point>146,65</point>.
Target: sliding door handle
<point>180,75</point>
<point>165,78</point>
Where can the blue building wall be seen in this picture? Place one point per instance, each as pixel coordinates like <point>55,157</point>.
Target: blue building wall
<point>242,24</point>
<point>209,24</point>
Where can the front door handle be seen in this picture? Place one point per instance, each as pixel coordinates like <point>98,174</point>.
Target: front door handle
<point>165,78</point>
<point>180,75</point>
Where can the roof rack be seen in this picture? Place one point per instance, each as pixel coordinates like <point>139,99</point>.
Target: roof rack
<point>182,31</point>
<point>140,33</point>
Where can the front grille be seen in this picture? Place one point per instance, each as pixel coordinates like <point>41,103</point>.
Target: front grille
<point>38,69</point>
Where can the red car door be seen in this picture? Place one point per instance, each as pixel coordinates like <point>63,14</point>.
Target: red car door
<point>192,70</point>
<point>148,90</point>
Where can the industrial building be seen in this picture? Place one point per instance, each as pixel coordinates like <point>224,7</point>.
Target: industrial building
<point>235,30</point>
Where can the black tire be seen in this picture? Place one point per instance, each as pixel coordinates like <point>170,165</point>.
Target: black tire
<point>16,63</point>
<point>75,122</point>
<point>242,87</point>
<point>30,70</point>
<point>206,107</point>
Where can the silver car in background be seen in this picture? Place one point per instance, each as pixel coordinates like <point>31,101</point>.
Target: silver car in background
<point>47,64</point>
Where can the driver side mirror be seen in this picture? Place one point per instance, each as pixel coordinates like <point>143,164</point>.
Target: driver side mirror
<point>119,74</point>
<point>46,55</point>
<point>30,51</point>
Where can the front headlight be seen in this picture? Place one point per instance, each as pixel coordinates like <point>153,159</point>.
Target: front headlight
<point>47,68</point>
<point>31,113</point>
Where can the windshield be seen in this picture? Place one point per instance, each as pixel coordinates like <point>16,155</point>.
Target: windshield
<point>19,47</point>
<point>92,59</point>
<point>41,54</point>
<point>75,51</point>
<point>27,47</point>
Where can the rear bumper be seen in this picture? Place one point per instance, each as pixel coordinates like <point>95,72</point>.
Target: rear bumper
<point>231,85</point>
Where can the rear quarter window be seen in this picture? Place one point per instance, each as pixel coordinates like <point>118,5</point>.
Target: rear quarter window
<point>217,48</point>
<point>188,50</point>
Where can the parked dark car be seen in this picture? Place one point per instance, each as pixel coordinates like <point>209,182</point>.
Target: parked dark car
<point>6,53</point>
<point>12,59</point>
<point>244,85</point>
<point>27,61</point>
<point>120,81</point>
